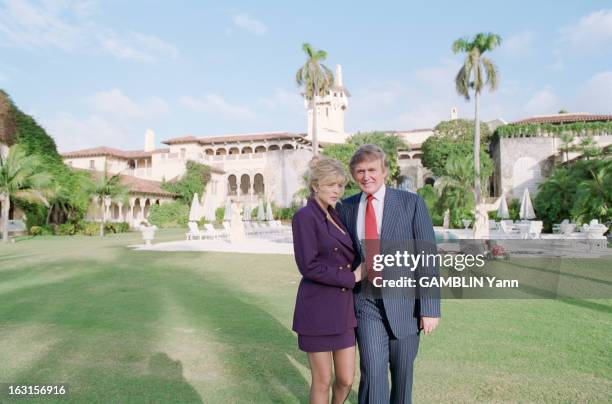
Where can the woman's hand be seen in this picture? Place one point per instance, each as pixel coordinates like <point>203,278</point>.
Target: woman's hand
<point>359,273</point>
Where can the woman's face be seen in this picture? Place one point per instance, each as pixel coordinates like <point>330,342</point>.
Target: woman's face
<point>330,191</point>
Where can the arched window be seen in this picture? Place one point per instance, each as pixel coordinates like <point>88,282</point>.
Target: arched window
<point>430,181</point>
<point>209,152</point>
<point>245,184</point>
<point>234,150</point>
<point>232,184</point>
<point>260,149</point>
<point>221,152</point>
<point>258,184</point>
<point>273,147</point>
<point>247,150</point>
<point>287,147</point>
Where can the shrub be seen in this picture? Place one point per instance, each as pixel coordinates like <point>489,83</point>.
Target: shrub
<point>89,228</point>
<point>65,229</point>
<point>36,230</point>
<point>219,214</point>
<point>121,227</point>
<point>172,214</point>
<point>286,213</point>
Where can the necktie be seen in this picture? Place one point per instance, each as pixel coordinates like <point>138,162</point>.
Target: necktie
<point>372,243</point>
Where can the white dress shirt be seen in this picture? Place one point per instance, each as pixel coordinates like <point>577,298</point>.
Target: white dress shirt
<point>378,203</point>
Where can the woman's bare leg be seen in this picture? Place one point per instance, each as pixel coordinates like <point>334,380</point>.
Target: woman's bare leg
<point>321,371</point>
<point>344,368</point>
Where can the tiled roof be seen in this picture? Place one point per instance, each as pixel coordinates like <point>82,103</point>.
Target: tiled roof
<point>234,138</point>
<point>109,151</point>
<point>135,185</point>
<point>565,118</point>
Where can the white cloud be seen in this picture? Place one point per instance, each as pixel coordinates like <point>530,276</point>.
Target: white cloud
<point>116,104</point>
<point>542,102</point>
<point>518,44</point>
<point>136,46</point>
<point>249,23</point>
<point>68,25</point>
<point>216,104</point>
<point>593,31</point>
<point>113,119</point>
<point>282,98</point>
<point>595,95</point>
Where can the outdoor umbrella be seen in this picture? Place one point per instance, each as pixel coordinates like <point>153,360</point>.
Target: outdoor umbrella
<point>228,210</point>
<point>502,211</point>
<point>194,212</point>
<point>526,211</point>
<point>260,211</point>
<point>246,214</point>
<point>269,215</point>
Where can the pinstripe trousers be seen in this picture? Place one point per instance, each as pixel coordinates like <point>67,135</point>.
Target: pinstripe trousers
<point>380,351</point>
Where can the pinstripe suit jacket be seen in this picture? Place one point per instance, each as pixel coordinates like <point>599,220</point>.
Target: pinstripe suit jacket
<point>406,223</point>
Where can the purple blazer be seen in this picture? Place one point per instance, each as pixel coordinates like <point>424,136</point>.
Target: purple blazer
<point>324,302</point>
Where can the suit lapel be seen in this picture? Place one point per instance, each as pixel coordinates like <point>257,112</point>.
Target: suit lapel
<point>337,234</point>
<point>353,217</point>
<point>389,213</point>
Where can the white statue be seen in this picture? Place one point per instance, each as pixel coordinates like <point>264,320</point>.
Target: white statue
<point>237,225</point>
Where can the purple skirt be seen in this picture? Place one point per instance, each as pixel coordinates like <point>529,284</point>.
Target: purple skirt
<point>326,343</point>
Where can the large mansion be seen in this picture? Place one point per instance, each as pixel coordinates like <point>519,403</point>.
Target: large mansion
<point>251,167</point>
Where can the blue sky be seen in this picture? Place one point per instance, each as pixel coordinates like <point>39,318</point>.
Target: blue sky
<point>102,72</point>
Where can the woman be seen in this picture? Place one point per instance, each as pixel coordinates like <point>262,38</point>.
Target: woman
<point>324,316</point>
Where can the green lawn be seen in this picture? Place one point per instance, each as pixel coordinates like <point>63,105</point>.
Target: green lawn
<point>125,326</point>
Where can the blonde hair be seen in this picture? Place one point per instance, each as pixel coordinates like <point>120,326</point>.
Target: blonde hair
<point>368,152</point>
<point>322,170</point>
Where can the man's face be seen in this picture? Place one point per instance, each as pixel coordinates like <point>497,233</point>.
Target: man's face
<point>370,175</point>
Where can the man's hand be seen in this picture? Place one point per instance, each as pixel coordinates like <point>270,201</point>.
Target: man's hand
<point>428,324</point>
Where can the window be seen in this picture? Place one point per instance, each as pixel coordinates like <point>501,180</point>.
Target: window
<point>92,164</point>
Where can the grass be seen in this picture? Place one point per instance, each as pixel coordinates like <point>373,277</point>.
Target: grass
<point>125,326</point>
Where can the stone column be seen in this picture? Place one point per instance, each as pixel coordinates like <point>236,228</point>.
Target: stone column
<point>107,203</point>
<point>131,216</point>
<point>120,205</point>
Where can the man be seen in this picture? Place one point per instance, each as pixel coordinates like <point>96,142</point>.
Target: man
<point>388,323</point>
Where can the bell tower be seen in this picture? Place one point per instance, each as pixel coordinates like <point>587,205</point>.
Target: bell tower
<point>330,109</point>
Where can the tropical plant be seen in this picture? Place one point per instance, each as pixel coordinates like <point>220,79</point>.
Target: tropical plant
<point>316,79</point>
<point>20,178</point>
<point>556,197</point>
<point>455,189</point>
<point>567,138</point>
<point>106,187</point>
<point>589,147</point>
<point>194,180</point>
<point>476,73</point>
<point>171,214</point>
<point>594,194</point>
<point>455,138</point>
<point>580,192</point>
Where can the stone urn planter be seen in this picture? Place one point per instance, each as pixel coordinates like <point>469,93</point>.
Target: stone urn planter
<point>466,223</point>
<point>148,232</point>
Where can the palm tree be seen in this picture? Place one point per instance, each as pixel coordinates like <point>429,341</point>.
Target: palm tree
<point>567,138</point>
<point>594,199</point>
<point>106,187</point>
<point>316,78</point>
<point>454,187</point>
<point>20,178</point>
<point>476,73</point>
<point>589,147</point>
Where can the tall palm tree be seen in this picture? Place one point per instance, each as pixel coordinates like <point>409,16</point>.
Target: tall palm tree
<point>567,138</point>
<point>104,187</point>
<point>476,73</point>
<point>451,187</point>
<point>20,178</point>
<point>316,78</point>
